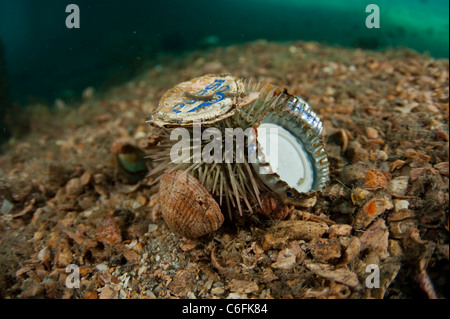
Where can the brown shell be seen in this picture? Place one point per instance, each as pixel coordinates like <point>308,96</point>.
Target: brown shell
<point>187,206</point>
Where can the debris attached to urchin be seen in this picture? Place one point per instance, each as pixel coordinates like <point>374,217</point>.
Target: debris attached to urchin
<point>187,206</point>
<point>226,102</point>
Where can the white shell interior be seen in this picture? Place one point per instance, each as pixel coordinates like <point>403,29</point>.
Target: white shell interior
<point>286,155</point>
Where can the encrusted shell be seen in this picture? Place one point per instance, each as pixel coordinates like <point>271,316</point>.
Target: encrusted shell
<point>208,99</point>
<point>187,206</point>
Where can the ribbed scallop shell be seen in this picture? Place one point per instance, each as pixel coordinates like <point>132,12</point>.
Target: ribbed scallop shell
<point>187,206</point>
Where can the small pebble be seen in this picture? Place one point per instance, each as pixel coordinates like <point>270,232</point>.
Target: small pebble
<point>6,207</point>
<point>131,204</point>
<point>217,290</point>
<point>88,93</point>
<point>101,267</point>
<point>382,156</point>
<point>308,202</point>
<point>398,186</point>
<point>371,133</point>
<point>85,178</point>
<point>190,295</point>
<point>139,135</point>
<point>99,178</point>
<point>401,204</point>
<point>375,179</point>
<point>74,187</point>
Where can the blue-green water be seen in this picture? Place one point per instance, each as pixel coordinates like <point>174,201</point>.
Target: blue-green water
<point>45,59</point>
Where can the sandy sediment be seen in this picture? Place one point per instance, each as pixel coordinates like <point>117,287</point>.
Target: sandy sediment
<point>65,201</point>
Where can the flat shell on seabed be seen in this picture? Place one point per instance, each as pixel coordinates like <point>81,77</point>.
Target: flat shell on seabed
<point>187,206</point>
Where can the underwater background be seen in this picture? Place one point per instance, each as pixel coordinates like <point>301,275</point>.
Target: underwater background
<point>77,156</point>
<point>41,59</point>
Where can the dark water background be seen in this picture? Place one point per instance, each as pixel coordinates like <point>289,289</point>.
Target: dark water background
<point>42,59</point>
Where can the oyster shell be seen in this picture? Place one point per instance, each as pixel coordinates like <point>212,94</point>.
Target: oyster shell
<point>208,99</point>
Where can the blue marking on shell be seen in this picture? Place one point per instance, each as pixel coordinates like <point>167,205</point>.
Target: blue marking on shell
<point>219,96</point>
<point>251,148</point>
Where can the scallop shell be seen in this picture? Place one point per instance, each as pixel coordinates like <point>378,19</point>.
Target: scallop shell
<point>187,206</point>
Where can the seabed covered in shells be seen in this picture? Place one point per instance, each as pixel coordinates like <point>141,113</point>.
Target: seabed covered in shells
<point>64,201</point>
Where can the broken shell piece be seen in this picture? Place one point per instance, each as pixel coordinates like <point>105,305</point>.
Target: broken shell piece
<point>398,186</point>
<point>370,211</point>
<point>130,161</point>
<point>400,205</point>
<point>285,259</point>
<point>376,239</point>
<point>187,206</point>
<point>351,251</point>
<point>340,275</point>
<point>335,191</point>
<point>375,180</point>
<point>359,196</point>
<point>399,229</point>
<point>443,168</point>
<point>340,230</point>
<point>74,187</point>
<point>287,230</point>
<point>325,249</point>
<point>273,208</point>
